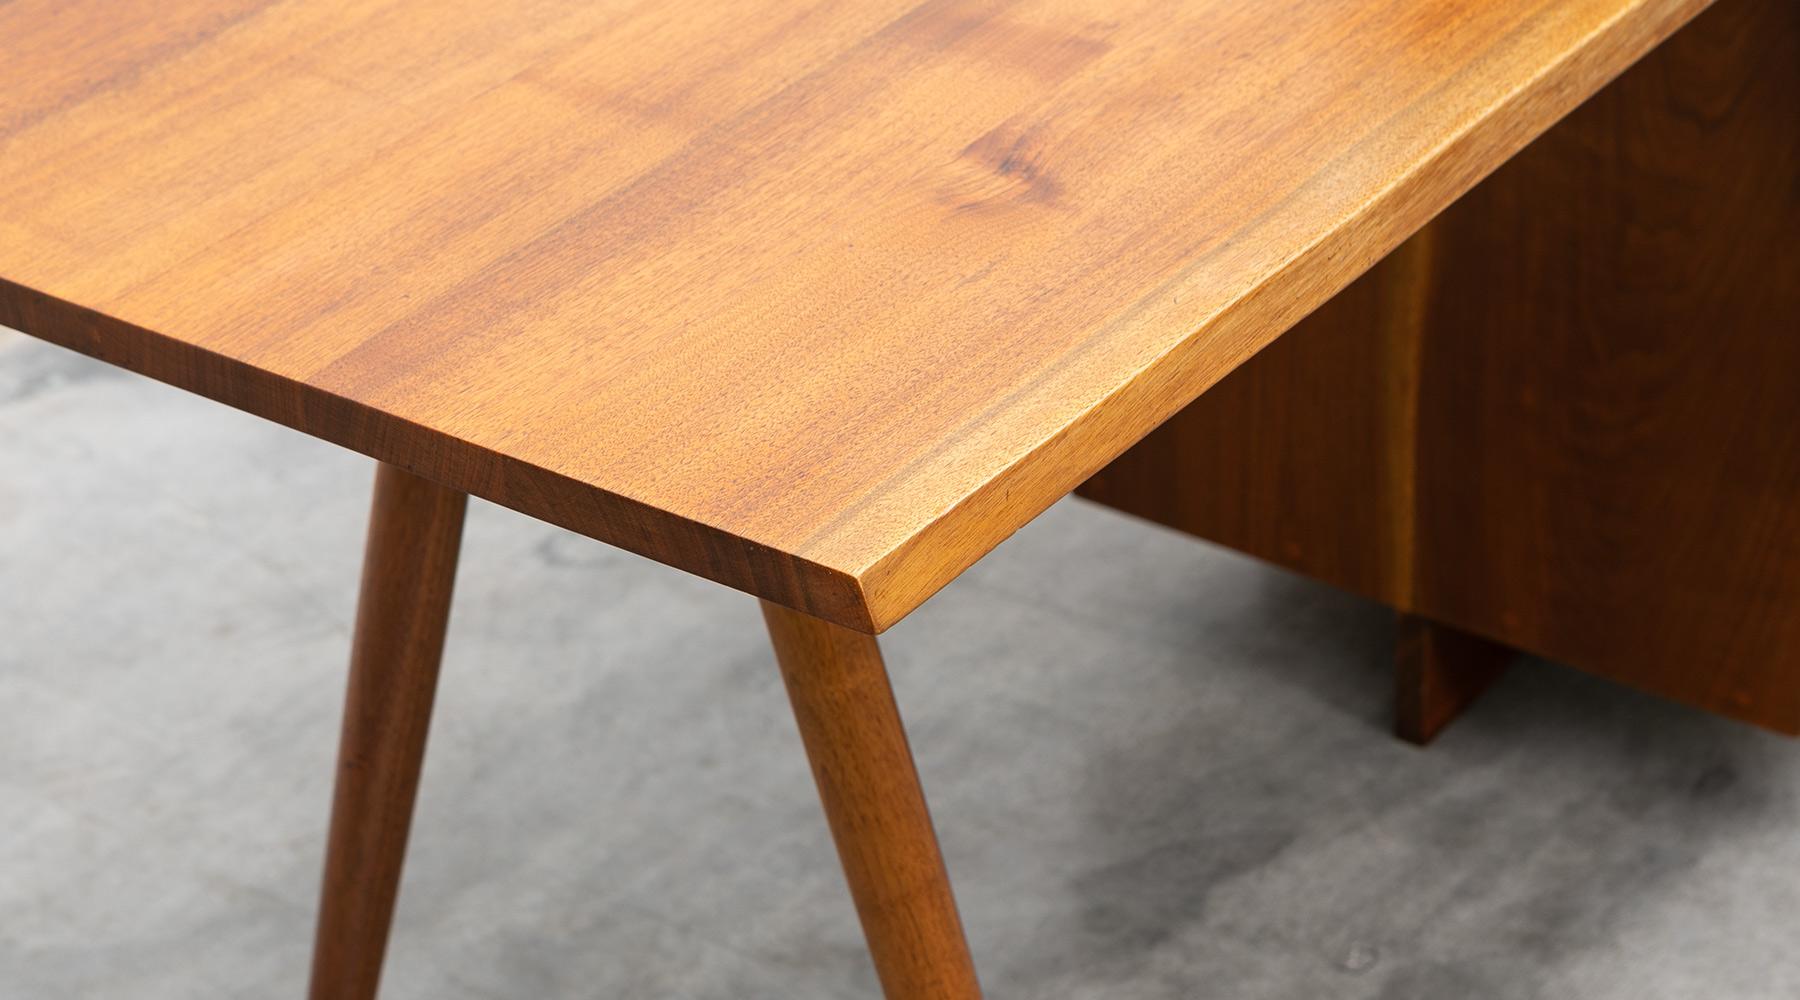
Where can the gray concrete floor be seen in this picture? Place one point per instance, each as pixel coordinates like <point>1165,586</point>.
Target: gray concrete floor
<point>1159,769</point>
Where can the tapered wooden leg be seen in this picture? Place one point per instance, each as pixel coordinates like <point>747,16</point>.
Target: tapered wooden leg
<point>864,769</point>
<point>1438,672</point>
<point>415,530</point>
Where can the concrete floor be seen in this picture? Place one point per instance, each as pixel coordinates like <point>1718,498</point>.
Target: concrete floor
<point>1160,770</point>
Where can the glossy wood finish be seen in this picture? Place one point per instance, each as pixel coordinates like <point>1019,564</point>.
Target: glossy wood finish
<point>864,769</point>
<point>415,531</point>
<point>819,300</point>
<point>1566,415</point>
<point>1438,672</point>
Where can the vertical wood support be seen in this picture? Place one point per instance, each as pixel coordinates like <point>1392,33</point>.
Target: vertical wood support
<point>1438,672</point>
<point>415,531</point>
<point>864,769</point>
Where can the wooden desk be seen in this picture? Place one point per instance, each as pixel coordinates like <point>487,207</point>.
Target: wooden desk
<point>818,301</point>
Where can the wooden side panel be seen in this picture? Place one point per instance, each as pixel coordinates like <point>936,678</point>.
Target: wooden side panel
<point>1567,414</point>
<point>1610,433</point>
<point>1305,455</point>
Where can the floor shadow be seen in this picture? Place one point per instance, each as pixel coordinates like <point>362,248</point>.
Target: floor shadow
<point>1486,866</point>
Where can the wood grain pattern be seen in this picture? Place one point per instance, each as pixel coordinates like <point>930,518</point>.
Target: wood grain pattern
<point>1636,474</point>
<point>819,300</point>
<point>415,534</point>
<point>864,769</point>
<point>1307,455</point>
<point>1566,415</point>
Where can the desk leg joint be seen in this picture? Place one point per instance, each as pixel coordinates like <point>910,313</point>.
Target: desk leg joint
<point>864,769</point>
<point>415,532</point>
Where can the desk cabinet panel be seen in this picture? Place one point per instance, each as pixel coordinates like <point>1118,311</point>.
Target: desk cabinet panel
<point>1566,414</point>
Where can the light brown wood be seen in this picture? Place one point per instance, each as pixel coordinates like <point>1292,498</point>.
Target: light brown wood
<point>864,769</point>
<point>821,301</point>
<point>1438,672</point>
<point>415,532</point>
<point>1307,456</point>
<point>1566,415</point>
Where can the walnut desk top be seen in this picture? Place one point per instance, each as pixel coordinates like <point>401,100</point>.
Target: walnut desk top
<point>818,300</point>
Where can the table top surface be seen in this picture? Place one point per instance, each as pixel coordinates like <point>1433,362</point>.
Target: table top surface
<point>820,300</point>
